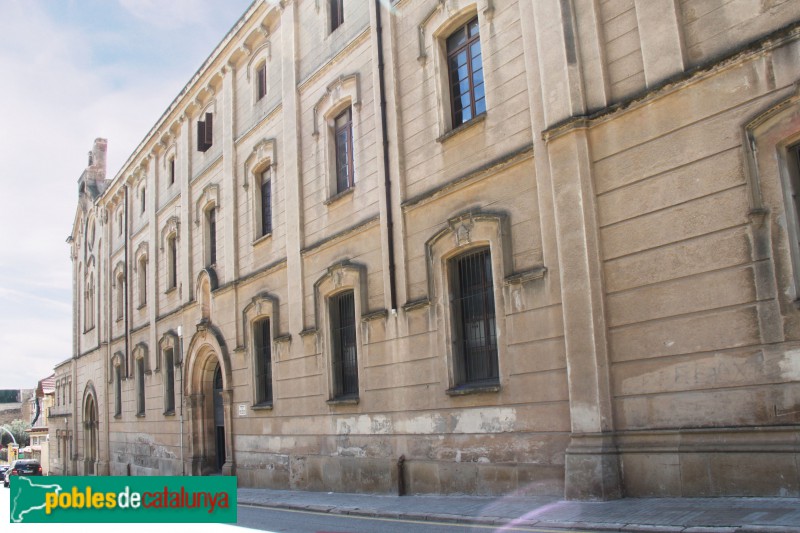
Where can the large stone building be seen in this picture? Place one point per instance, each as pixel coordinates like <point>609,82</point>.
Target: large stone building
<point>544,246</point>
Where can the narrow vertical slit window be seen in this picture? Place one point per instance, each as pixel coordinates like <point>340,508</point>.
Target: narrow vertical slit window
<point>140,387</point>
<point>205,130</point>
<point>261,81</point>
<point>172,262</point>
<point>143,197</point>
<point>343,147</point>
<point>211,216</point>
<point>473,318</point>
<point>465,69</point>
<point>343,334</point>
<point>120,297</point>
<point>169,381</point>
<point>117,391</point>
<point>337,13</point>
<point>172,171</point>
<point>143,282</point>
<point>266,203</point>
<point>263,357</point>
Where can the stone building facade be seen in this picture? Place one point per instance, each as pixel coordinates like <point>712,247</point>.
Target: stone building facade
<point>534,246</point>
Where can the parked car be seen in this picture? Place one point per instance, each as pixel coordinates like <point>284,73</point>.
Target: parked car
<point>3,469</point>
<point>23,467</point>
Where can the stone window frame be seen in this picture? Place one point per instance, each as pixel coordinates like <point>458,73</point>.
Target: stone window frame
<point>769,138</point>
<point>463,233</point>
<point>444,22</point>
<point>339,278</point>
<point>261,159</point>
<point>141,369</point>
<point>170,163</point>
<point>117,375</point>
<point>169,341</point>
<point>261,306</point>
<point>140,267</point>
<point>170,237</point>
<point>118,284</point>
<point>342,93</point>
<point>260,57</point>
<point>208,201</point>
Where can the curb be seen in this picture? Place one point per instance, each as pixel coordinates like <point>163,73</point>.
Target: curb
<point>498,521</point>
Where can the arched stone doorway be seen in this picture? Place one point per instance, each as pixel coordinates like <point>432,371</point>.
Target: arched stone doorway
<point>91,425</point>
<point>209,405</point>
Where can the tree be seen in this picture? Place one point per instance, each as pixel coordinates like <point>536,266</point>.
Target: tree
<point>17,428</point>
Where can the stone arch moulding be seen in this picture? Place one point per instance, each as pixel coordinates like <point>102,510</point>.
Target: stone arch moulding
<point>341,275</point>
<point>118,359</point>
<point>464,231</point>
<point>263,156</point>
<point>442,15</point>
<point>140,351</point>
<point>173,225</point>
<point>209,196</point>
<point>169,340</point>
<point>119,271</point>
<point>767,138</point>
<point>262,52</point>
<point>140,253</point>
<point>261,305</point>
<point>345,88</point>
<point>205,284</point>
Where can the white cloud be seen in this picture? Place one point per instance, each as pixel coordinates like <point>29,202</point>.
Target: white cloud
<point>169,15</point>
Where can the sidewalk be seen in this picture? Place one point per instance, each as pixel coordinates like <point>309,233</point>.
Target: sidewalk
<point>658,515</point>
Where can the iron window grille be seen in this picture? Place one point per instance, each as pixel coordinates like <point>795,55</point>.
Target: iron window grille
<point>465,67</point>
<point>343,135</point>
<point>263,350</point>
<point>473,316</point>
<point>344,356</point>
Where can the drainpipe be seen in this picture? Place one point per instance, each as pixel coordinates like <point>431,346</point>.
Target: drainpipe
<point>127,287</point>
<point>180,343</point>
<point>387,178</point>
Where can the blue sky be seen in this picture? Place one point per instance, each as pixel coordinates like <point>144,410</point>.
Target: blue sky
<point>71,71</point>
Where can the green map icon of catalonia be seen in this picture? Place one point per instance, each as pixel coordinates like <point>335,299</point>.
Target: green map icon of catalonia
<point>28,498</point>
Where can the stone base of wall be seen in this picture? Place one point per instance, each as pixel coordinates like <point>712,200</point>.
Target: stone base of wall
<point>364,475</point>
<point>712,462</point>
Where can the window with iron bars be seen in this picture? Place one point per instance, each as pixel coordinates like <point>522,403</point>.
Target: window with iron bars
<point>473,317</point>
<point>169,378</point>
<point>344,356</point>
<point>263,358</point>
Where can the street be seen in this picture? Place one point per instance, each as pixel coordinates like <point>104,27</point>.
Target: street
<point>293,521</point>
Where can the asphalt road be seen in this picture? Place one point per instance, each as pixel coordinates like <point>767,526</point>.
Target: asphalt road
<point>290,521</point>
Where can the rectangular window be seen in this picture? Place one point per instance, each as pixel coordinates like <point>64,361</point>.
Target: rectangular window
<point>140,387</point>
<point>465,67</point>
<point>212,236</point>
<point>142,283</point>
<point>144,199</point>
<point>473,314</point>
<point>263,357</point>
<point>343,333</point>
<point>266,204</point>
<point>169,381</point>
<point>337,13</point>
<point>172,171</point>
<point>343,135</point>
<point>117,391</point>
<point>261,81</point>
<point>205,129</point>
<point>172,263</point>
